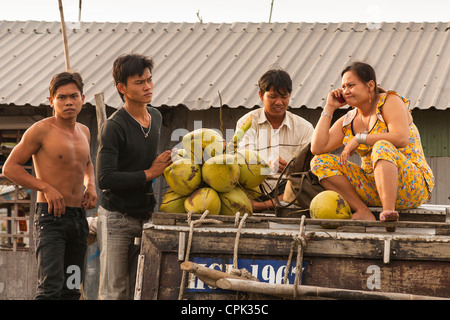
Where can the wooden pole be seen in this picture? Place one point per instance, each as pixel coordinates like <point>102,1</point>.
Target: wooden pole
<point>79,11</point>
<point>270,15</point>
<point>286,290</point>
<point>64,36</point>
<point>100,110</point>
<point>207,275</point>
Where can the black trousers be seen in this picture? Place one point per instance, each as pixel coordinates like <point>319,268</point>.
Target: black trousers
<point>61,244</point>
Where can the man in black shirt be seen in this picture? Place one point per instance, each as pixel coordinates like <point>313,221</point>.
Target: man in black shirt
<point>127,163</point>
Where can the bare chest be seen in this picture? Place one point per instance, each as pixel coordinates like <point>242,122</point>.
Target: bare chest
<point>65,149</point>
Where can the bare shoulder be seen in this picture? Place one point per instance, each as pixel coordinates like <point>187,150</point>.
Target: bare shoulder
<point>393,105</point>
<point>394,99</point>
<point>32,140</point>
<point>84,129</point>
<point>394,109</point>
<point>44,124</point>
<point>38,130</point>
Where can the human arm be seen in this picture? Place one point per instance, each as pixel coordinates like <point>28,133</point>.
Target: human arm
<point>158,165</point>
<point>260,206</point>
<point>397,119</point>
<point>90,193</point>
<point>324,138</point>
<point>13,168</point>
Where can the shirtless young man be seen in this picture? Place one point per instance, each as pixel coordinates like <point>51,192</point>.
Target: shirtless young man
<point>65,185</point>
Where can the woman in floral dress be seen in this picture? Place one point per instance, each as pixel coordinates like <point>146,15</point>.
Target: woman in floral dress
<point>394,173</point>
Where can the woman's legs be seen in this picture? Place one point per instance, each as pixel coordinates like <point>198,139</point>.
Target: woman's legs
<point>349,181</point>
<point>343,186</point>
<point>386,179</point>
<point>396,182</point>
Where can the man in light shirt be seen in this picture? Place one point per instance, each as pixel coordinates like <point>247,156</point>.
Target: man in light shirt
<point>276,134</point>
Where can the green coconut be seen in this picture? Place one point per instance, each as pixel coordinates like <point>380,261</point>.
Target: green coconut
<point>235,200</point>
<point>179,154</point>
<point>253,193</point>
<point>329,205</point>
<point>183,176</point>
<point>172,202</point>
<point>203,199</point>
<point>253,169</point>
<point>221,172</point>
<point>195,143</point>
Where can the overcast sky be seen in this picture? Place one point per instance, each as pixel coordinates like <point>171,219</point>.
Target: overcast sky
<point>230,10</point>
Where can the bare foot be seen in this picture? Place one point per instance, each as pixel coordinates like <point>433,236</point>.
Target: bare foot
<point>363,215</point>
<point>389,215</point>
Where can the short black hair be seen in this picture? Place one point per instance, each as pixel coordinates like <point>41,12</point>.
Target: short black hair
<point>277,78</point>
<point>128,65</point>
<point>63,78</point>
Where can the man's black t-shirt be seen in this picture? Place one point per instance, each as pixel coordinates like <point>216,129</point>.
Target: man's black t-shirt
<point>123,155</point>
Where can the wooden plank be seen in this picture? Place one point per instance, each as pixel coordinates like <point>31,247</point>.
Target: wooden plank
<point>323,243</point>
<point>417,277</point>
<point>18,276</point>
<point>262,221</point>
<point>425,212</point>
<point>139,275</point>
<point>151,268</point>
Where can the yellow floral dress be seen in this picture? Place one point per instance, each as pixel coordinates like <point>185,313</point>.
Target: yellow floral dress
<point>416,180</point>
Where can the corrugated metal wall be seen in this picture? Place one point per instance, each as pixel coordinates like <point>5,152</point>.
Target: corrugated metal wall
<point>194,60</point>
<point>441,170</point>
<point>434,126</point>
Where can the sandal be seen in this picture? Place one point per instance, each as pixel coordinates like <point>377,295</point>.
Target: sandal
<point>389,216</point>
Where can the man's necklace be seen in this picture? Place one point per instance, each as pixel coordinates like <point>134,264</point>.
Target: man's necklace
<point>142,128</point>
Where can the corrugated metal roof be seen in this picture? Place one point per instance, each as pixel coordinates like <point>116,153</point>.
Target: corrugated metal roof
<point>193,61</point>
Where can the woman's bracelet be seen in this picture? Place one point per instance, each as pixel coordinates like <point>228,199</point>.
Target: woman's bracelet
<point>327,114</point>
<point>361,138</point>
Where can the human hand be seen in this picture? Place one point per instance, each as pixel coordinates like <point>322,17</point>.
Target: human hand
<point>89,198</point>
<point>336,99</point>
<point>281,164</point>
<point>278,165</point>
<point>55,201</point>
<point>348,151</point>
<point>158,165</point>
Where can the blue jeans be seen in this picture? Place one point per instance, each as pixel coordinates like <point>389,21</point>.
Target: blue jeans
<point>118,253</point>
<point>61,244</point>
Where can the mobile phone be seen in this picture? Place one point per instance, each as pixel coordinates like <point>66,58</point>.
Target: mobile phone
<point>340,99</point>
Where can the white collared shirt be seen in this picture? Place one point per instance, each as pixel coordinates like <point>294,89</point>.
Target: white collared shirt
<point>293,134</point>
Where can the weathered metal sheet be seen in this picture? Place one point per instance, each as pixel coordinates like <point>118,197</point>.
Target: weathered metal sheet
<point>196,60</point>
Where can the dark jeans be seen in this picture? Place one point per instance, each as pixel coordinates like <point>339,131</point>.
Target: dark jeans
<point>61,245</point>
